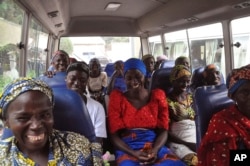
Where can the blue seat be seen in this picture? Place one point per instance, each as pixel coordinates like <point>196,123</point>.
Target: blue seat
<point>160,79</point>
<point>207,101</point>
<point>57,80</point>
<point>167,64</point>
<point>109,69</point>
<point>70,114</point>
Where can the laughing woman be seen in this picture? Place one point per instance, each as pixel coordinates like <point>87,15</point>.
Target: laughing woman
<point>26,108</point>
<point>138,121</point>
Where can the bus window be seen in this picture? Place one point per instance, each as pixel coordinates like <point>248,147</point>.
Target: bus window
<point>205,47</point>
<point>36,59</point>
<point>155,45</point>
<point>11,20</point>
<point>241,41</point>
<point>106,49</point>
<point>176,44</point>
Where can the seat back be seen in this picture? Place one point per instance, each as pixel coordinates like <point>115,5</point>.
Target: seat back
<point>167,64</point>
<point>58,80</point>
<point>109,69</point>
<point>160,79</point>
<point>208,100</point>
<point>71,114</point>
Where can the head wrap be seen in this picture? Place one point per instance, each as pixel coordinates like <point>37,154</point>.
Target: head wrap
<point>22,85</point>
<point>161,57</point>
<point>237,77</point>
<point>178,72</point>
<point>210,68</point>
<point>134,63</point>
<point>59,52</point>
<point>79,66</point>
<point>147,56</point>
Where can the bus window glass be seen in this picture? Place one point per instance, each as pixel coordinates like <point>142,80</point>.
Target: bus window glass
<point>11,20</point>
<point>106,49</point>
<point>155,45</point>
<point>205,47</point>
<point>176,44</point>
<point>241,41</point>
<point>36,59</point>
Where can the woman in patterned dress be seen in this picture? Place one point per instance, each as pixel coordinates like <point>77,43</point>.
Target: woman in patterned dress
<point>26,108</point>
<point>229,129</point>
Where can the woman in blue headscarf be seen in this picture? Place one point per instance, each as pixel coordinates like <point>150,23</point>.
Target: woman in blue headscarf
<point>26,108</point>
<point>138,121</point>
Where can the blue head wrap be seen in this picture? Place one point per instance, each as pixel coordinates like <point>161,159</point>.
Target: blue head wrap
<point>22,85</point>
<point>134,63</point>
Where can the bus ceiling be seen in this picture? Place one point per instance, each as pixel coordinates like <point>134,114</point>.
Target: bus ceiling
<point>132,18</point>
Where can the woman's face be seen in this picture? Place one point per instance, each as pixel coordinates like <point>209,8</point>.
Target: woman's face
<point>94,67</point>
<point>242,98</point>
<point>30,118</point>
<point>134,79</point>
<point>150,64</point>
<point>77,81</point>
<point>182,83</point>
<point>61,62</point>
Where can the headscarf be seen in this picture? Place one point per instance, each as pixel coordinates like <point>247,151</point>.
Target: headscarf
<point>22,85</point>
<point>210,68</point>
<point>59,52</point>
<point>237,77</point>
<point>79,66</point>
<point>147,56</point>
<point>178,72</point>
<point>161,58</point>
<point>134,63</point>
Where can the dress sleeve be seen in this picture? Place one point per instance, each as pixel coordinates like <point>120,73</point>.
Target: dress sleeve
<point>96,154</point>
<point>115,111</point>
<point>163,114</point>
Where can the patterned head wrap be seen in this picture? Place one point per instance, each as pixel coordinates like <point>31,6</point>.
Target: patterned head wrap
<point>147,56</point>
<point>79,66</point>
<point>22,85</point>
<point>134,63</point>
<point>237,77</point>
<point>178,72</point>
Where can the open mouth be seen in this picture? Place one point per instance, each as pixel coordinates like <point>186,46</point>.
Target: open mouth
<point>35,139</point>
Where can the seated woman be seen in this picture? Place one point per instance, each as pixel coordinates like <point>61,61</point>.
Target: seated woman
<point>76,80</point>
<point>229,129</point>
<point>212,75</point>
<point>98,80</point>
<point>138,121</point>
<point>182,60</point>
<point>117,79</point>
<point>27,109</point>
<point>59,63</point>
<point>182,134</point>
<point>149,62</point>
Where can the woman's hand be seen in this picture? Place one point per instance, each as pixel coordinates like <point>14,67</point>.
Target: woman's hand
<point>144,157</point>
<point>49,74</point>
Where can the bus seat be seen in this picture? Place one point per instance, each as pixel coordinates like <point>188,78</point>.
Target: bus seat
<point>160,79</point>
<point>58,80</point>
<point>167,64</point>
<point>70,113</point>
<point>197,78</point>
<point>109,69</point>
<point>207,101</point>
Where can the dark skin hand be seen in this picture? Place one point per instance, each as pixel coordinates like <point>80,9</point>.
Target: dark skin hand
<point>145,157</point>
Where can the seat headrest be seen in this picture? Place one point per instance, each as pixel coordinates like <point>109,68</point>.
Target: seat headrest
<point>160,79</point>
<point>109,69</point>
<point>57,81</point>
<point>71,114</point>
<point>207,101</point>
<point>167,64</point>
